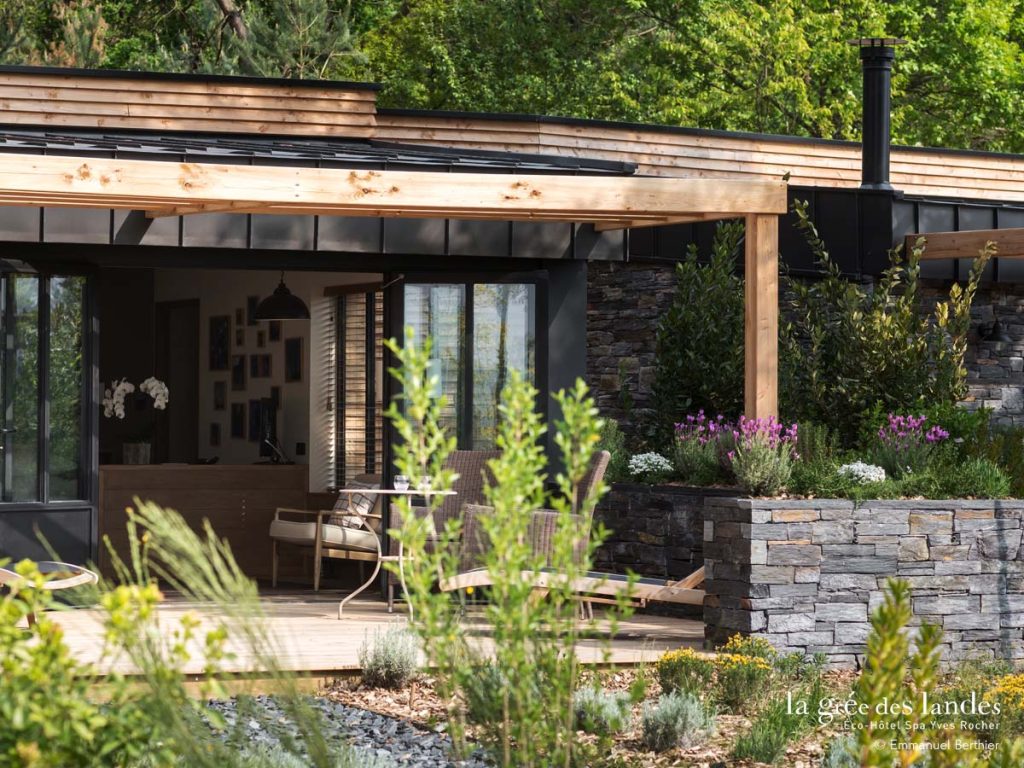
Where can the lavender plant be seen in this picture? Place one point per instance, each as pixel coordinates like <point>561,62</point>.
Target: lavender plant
<point>762,454</point>
<point>695,451</point>
<point>906,444</point>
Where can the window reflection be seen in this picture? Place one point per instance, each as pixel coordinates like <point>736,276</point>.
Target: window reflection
<point>21,388</point>
<point>438,311</point>
<point>65,385</point>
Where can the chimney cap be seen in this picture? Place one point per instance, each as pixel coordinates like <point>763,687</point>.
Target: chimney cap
<point>877,42</point>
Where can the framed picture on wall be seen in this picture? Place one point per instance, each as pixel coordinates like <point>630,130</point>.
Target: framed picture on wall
<point>274,330</point>
<point>214,434</point>
<point>220,335</point>
<point>238,420</point>
<point>220,395</point>
<point>265,366</point>
<point>254,421</point>
<point>254,366</point>
<point>275,397</point>
<point>261,339</point>
<point>250,308</point>
<point>239,316</point>
<point>238,373</point>
<point>239,337</point>
<point>293,359</point>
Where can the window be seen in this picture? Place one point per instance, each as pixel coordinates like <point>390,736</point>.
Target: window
<point>481,332</point>
<point>42,388</point>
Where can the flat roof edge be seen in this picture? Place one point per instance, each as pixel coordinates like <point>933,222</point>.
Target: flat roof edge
<point>677,129</point>
<point>189,77</point>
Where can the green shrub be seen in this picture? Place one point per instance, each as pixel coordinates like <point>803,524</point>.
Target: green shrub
<point>770,732</point>
<point>601,712</point>
<point>676,720</point>
<point>761,469</point>
<point>816,443</point>
<point>697,463</point>
<point>740,680</point>
<point>800,667</point>
<point>975,478</point>
<point>699,346</point>
<point>841,752</point>
<point>685,670</point>
<point>750,645</point>
<point>526,704</point>
<point>614,441</point>
<point>390,658</point>
<point>847,350</point>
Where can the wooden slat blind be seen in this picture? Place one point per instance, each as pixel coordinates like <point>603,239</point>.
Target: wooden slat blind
<point>359,425</point>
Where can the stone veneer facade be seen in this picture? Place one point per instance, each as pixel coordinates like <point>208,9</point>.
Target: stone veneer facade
<point>806,574</point>
<point>626,302</point>
<point>655,530</point>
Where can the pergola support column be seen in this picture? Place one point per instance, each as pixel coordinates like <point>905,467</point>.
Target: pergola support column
<point>761,317</point>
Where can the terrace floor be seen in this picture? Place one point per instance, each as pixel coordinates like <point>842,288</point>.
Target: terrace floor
<point>311,640</point>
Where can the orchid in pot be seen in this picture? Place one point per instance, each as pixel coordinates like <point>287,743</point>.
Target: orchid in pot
<point>114,399</point>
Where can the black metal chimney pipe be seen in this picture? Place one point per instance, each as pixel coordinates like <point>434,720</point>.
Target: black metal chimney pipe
<point>876,57</point>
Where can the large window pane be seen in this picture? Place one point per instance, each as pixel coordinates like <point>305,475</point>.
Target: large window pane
<point>503,341</point>
<point>438,311</point>
<point>21,388</point>
<point>66,379</point>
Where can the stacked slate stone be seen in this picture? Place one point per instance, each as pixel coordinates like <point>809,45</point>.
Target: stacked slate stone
<point>806,574</point>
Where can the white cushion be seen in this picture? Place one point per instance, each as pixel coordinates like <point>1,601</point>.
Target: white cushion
<point>336,536</point>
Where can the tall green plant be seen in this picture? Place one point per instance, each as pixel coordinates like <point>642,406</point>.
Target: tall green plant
<point>522,698</point>
<point>845,348</point>
<point>699,364</point>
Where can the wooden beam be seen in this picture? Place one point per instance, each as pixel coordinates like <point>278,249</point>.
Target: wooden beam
<point>761,317</point>
<point>639,223</point>
<point>153,185</point>
<point>968,243</point>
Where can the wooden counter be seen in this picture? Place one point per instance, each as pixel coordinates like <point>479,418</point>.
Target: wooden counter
<point>238,499</point>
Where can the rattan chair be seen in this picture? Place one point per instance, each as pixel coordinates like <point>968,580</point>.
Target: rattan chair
<point>473,473</point>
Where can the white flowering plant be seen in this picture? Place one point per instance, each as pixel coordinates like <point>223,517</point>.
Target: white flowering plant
<point>649,467</point>
<point>862,473</point>
<point>114,396</point>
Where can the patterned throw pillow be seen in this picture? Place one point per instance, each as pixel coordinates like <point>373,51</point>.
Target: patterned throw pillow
<point>362,504</point>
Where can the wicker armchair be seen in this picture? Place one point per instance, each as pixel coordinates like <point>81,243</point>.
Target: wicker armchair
<point>542,524</point>
<point>472,471</point>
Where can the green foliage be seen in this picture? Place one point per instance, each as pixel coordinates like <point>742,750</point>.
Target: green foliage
<point>771,731</point>
<point>697,463</point>
<point>841,753</point>
<point>614,441</point>
<point>753,646</point>
<point>685,670</point>
<point>602,712</point>
<point>973,478</point>
<point>870,350</point>
<point>699,347</point>
<point>677,719</point>
<point>389,659</point>
<point>740,680</point>
<point>761,469</point>
<point>529,717</point>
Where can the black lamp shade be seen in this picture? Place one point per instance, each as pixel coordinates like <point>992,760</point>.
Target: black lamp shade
<point>282,304</point>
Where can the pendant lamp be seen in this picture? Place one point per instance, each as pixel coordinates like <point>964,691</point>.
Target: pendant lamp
<point>282,304</point>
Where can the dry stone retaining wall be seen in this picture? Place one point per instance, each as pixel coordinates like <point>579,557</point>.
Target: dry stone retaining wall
<point>806,574</point>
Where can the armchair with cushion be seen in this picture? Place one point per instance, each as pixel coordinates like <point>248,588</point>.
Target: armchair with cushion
<point>349,531</point>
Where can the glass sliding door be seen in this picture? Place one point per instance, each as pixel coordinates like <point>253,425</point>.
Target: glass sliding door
<point>482,330</point>
<point>43,388</point>
<point>503,341</point>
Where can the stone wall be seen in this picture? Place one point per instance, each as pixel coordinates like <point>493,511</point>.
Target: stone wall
<point>806,574</point>
<point>626,302</point>
<point>656,530</point>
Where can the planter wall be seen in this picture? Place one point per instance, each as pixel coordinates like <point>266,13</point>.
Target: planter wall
<point>806,574</point>
<point>656,530</point>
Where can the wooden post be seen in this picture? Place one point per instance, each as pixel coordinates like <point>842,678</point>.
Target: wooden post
<point>761,317</point>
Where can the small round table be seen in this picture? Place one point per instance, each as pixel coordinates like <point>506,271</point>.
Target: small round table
<point>381,557</point>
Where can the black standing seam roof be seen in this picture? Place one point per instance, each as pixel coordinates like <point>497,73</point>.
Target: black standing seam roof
<point>210,148</point>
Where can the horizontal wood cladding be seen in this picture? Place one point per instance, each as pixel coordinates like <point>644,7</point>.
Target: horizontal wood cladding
<point>123,102</point>
<point>667,153</point>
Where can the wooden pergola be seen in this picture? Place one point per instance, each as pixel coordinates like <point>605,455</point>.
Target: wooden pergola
<point>165,188</point>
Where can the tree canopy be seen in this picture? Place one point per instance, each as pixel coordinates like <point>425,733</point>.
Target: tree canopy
<point>776,66</point>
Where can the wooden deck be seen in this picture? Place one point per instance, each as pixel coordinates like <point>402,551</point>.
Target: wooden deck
<point>311,640</point>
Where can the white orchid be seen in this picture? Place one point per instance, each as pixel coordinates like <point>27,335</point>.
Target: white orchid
<point>119,389</point>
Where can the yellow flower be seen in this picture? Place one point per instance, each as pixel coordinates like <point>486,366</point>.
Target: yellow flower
<point>1010,689</point>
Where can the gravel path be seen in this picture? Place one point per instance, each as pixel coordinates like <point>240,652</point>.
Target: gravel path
<point>265,724</point>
